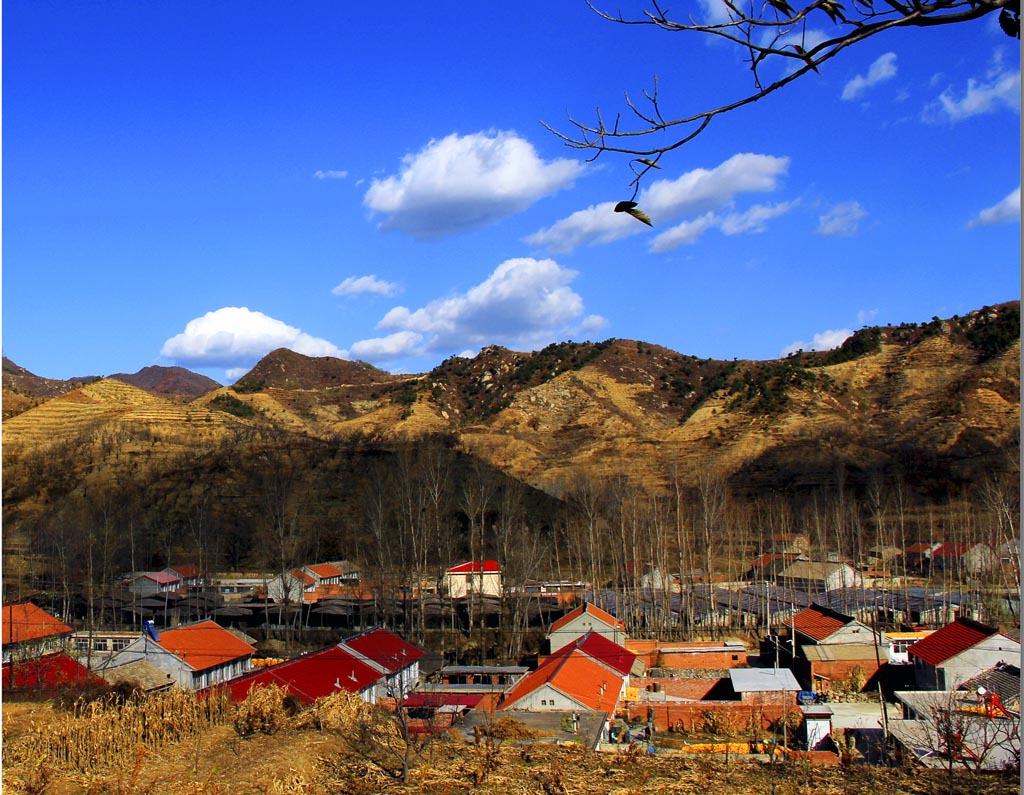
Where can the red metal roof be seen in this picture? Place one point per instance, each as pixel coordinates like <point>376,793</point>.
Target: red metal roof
<point>919,547</point>
<point>591,610</point>
<point>187,571</point>
<point>204,645</point>
<point>950,641</point>
<point>474,567</point>
<point>953,549</point>
<point>160,577</point>
<point>819,622</point>
<point>311,676</point>
<point>50,672</point>
<point>25,622</point>
<point>597,646</point>
<point>384,648</point>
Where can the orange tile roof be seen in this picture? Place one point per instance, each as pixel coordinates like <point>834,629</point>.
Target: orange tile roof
<point>819,622</point>
<point>25,622</point>
<point>204,645</point>
<point>589,609</point>
<point>324,570</point>
<point>302,577</point>
<point>577,676</point>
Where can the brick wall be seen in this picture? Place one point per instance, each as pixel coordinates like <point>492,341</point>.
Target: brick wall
<point>681,688</point>
<point>692,718</point>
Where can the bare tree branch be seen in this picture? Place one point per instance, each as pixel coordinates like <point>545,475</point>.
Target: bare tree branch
<point>768,31</point>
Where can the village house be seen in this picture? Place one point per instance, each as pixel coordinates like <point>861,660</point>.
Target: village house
<point>332,573</point>
<point>940,729</point>
<point>834,651</point>
<point>623,661</point>
<point>818,624</point>
<point>189,574</point>
<point>236,588</point>
<point>815,577</point>
<point>152,583</point>
<point>578,622</point>
<point>35,654</point>
<point>565,683</point>
<point>959,651</point>
<point>195,655</point>
<point>314,675</point>
<point>964,559</point>
<point>30,632</point>
<point>479,577</point>
<point>901,643</point>
<point>291,587</point>
<point>396,660</point>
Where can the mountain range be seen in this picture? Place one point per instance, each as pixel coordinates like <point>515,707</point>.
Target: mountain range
<point>939,400</point>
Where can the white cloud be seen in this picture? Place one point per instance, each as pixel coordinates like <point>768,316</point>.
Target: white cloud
<point>823,341</point>
<point>1005,211</point>
<point>356,285</point>
<point>699,191</point>
<point>684,234</point>
<point>320,174</point>
<point>592,323</point>
<point>882,69</point>
<point>842,220</point>
<point>524,304</point>
<point>865,316</point>
<point>237,337</point>
<point>464,182</point>
<point>716,12</point>
<point>1000,89</point>
<point>393,346</point>
<point>751,221</point>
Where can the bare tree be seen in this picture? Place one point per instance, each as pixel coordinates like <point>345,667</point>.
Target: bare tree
<point>770,34</point>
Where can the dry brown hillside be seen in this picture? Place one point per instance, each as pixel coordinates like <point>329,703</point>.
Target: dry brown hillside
<point>943,392</point>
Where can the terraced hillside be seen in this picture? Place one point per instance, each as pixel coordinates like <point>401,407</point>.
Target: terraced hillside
<point>943,395</point>
<point>110,407</point>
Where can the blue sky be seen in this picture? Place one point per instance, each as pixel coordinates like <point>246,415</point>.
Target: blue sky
<point>198,183</point>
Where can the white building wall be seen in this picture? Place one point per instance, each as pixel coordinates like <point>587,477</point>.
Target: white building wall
<point>580,626</point>
<point>976,659</point>
<point>459,585</point>
<point>546,699</point>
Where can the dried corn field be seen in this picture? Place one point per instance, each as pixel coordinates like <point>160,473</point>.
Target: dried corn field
<point>310,752</point>
<point>108,733</point>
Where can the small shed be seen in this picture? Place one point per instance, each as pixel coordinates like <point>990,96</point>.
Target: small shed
<point>817,725</point>
<point>761,686</point>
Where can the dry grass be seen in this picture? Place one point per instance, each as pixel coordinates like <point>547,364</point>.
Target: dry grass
<point>106,734</point>
<point>308,753</point>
